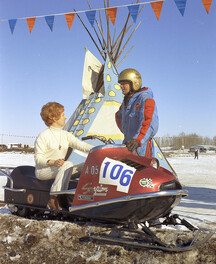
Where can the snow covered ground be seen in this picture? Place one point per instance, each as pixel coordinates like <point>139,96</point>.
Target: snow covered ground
<point>196,176</point>
<point>13,159</point>
<point>199,178</point>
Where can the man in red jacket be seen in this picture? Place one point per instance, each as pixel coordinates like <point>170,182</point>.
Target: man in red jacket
<point>137,117</point>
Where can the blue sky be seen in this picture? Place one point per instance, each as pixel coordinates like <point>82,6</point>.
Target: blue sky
<point>175,56</point>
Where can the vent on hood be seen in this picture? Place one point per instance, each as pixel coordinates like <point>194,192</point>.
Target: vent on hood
<point>133,164</point>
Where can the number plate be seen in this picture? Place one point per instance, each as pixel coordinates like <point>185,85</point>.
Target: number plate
<point>113,172</point>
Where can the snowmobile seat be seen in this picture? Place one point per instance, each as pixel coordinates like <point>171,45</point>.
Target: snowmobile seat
<point>24,178</point>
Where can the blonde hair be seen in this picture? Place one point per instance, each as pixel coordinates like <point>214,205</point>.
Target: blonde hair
<point>51,111</point>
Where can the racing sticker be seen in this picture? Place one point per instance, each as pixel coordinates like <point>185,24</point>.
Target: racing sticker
<point>114,172</point>
<point>86,197</point>
<point>30,198</point>
<point>145,182</point>
<point>96,190</point>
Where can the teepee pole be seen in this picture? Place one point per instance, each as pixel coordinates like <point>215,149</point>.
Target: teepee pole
<point>127,41</point>
<point>109,36</point>
<point>115,44</point>
<point>117,39</point>
<point>120,42</point>
<point>112,46</point>
<point>101,26</point>
<point>102,45</point>
<point>125,56</point>
<point>108,52</point>
<point>108,27</point>
<point>90,36</point>
<point>113,40</point>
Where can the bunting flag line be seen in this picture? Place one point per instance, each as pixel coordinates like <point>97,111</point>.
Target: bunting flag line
<point>134,11</point>
<point>111,12</point>
<point>207,5</point>
<point>181,4</point>
<point>157,138</point>
<point>69,18</point>
<point>91,16</point>
<point>12,23</point>
<point>30,22</point>
<point>157,7</point>
<point>50,21</point>
<point>9,135</point>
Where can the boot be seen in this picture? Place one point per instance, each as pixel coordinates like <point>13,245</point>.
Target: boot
<point>53,203</point>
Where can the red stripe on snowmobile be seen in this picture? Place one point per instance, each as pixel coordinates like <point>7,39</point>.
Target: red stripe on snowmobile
<point>148,148</point>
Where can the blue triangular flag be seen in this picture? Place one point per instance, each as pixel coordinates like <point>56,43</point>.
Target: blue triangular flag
<point>50,21</point>
<point>12,24</point>
<point>134,9</point>
<point>91,16</point>
<point>181,4</point>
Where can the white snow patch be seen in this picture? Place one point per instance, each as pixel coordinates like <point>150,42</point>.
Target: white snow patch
<point>15,257</point>
<point>95,257</point>
<point>8,239</point>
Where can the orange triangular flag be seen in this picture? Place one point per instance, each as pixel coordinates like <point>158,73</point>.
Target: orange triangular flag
<point>111,12</point>
<point>157,6</point>
<point>30,22</point>
<point>207,5</point>
<point>69,19</point>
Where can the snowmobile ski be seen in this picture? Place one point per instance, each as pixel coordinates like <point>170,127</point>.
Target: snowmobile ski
<point>148,240</point>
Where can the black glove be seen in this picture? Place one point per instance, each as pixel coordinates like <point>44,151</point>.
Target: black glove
<point>132,144</point>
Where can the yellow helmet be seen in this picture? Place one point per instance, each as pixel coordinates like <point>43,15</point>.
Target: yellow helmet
<point>132,76</point>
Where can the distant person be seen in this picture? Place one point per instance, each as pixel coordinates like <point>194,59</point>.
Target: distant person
<point>51,147</point>
<point>196,153</point>
<point>137,117</point>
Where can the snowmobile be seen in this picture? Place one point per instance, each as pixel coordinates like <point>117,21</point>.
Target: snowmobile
<point>113,186</point>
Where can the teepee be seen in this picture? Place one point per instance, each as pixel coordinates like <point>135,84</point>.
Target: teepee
<point>102,96</point>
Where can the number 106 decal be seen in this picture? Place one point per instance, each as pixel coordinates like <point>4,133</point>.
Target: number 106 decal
<point>116,173</point>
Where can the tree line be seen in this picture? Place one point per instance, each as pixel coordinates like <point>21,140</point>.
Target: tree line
<point>186,140</point>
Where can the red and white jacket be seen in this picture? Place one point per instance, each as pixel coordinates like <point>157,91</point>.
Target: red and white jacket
<point>139,120</point>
